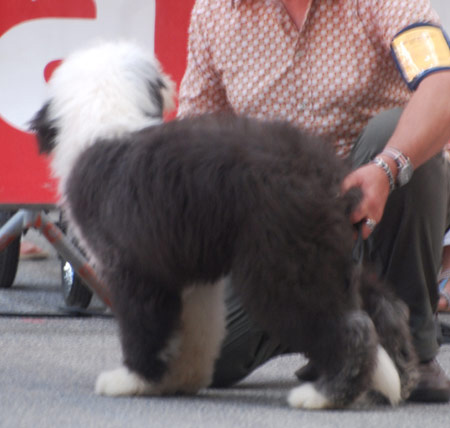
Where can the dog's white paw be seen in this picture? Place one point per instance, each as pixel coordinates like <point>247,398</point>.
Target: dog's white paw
<point>121,382</point>
<point>306,396</point>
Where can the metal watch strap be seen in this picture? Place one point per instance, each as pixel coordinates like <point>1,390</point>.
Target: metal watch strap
<point>395,154</point>
<point>404,166</point>
<point>385,167</point>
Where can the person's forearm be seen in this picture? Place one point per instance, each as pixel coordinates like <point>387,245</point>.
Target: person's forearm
<point>422,131</point>
<point>424,127</point>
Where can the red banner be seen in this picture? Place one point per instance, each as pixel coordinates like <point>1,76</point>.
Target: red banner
<point>34,37</point>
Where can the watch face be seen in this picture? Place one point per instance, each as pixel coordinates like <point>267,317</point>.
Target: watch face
<point>404,174</point>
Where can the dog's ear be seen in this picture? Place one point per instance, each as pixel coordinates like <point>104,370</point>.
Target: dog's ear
<point>44,129</point>
<point>168,93</point>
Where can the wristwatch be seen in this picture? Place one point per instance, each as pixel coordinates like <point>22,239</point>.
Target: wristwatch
<point>404,166</point>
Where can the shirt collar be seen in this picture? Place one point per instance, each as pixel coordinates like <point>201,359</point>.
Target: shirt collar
<point>235,3</point>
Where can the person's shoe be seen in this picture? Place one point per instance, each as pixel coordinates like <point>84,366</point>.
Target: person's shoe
<point>444,294</point>
<point>433,386</point>
<point>30,251</point>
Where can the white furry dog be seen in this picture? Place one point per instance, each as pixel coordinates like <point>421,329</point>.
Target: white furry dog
<point>167,210</point>
<point>137,91</point>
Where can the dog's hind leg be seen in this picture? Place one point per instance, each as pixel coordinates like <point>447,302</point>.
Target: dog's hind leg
<point>347,367</point>
<point>148,315</point>
<point>390,317</point>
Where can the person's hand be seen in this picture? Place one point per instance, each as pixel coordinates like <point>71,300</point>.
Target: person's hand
<point>374,186</point>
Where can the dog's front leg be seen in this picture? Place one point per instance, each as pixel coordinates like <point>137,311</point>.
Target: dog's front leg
<point>185,363</point>
<point>148,315</point>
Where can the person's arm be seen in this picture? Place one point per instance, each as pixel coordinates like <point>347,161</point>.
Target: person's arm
<point>422,131</point>
<point>424,128</point>
<point>201,89</point>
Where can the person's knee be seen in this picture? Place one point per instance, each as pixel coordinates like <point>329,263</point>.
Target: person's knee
<point>375,136</point>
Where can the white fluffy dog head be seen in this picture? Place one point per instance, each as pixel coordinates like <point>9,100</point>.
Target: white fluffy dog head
<point>102,92</point>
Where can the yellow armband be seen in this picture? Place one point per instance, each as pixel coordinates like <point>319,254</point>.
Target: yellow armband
<point>419,50</point>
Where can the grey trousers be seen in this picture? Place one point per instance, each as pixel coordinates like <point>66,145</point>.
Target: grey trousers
<point>405,247</point>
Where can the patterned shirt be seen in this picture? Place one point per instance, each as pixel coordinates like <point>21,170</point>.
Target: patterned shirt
<point>328,78</point>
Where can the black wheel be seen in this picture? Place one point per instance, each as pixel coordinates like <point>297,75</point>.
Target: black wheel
<point>9,257</point>
<point>76,294</point>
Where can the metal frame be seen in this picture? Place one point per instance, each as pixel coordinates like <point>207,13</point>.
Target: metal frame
<point>26,218</point>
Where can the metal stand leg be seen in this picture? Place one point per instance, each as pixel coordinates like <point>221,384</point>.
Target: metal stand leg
<point>25,219</point>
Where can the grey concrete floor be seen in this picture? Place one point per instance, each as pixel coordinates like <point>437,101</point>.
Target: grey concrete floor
<point>48,368</point>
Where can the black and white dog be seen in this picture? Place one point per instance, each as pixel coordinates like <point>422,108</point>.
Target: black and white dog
<point>166,210</point>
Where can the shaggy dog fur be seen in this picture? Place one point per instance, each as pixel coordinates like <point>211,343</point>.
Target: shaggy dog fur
<point>167,210</point>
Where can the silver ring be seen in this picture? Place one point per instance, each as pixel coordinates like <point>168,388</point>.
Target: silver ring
<point>371,223</point>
